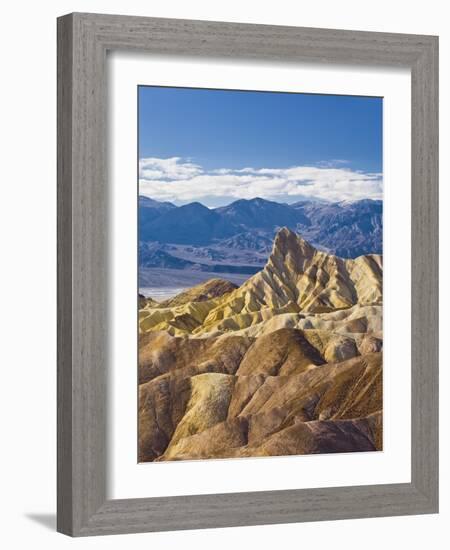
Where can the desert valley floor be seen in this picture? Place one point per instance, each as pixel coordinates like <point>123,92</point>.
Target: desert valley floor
<point>290,362</point>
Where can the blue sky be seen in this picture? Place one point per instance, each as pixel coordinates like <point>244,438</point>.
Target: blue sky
<point>218,145</point>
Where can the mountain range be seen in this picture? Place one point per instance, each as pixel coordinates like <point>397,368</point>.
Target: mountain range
<point>237,238</point>
<point>290,362</point>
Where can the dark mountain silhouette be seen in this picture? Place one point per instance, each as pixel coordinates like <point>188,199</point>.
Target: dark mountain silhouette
<point>189,224</point>
<point>262,214</point>
<point>147,202</point>
<point>150,210</point>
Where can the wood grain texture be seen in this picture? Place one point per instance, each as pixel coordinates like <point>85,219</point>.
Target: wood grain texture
<point>83,41</point>
<point>64,251</point>
<point>425,264</point>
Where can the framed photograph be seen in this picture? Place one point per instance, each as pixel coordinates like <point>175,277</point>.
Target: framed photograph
<point>247,274</point>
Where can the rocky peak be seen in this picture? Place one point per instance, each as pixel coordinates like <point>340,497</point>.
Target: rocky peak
<point>290,252</point>
<point>296,278</point>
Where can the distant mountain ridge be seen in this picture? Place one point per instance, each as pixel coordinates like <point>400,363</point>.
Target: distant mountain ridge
<point>240,233</point>
<point>259,213</point>
<point>347,229</point>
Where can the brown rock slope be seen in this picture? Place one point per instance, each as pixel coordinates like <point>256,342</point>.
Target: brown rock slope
<point>289,363</point>
<point>256,401</point>
<point>161,353</point>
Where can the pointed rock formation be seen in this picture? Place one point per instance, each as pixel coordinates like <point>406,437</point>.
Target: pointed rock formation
<point>298,278</point>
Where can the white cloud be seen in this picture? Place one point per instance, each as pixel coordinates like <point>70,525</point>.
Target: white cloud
<point>179,180</point>
<point>172,168</point>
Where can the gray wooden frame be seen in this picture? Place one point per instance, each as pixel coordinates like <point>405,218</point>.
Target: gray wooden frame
<point>83,41</point>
